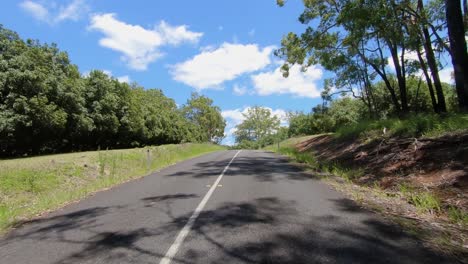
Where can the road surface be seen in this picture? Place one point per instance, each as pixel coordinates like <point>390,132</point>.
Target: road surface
<point>259,209</point>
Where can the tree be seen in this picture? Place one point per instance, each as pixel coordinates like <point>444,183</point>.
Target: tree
<point>41,102</point>
<point>46,106</point>
<point>456,32</point>
<point>259,127</point>
<point>107,103</point>
<point>347,32</point>
<point>200,111</point>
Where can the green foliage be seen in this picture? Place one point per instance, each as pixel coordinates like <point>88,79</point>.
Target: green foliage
<point>259,128</point>
<point>357,40</point>
<point>414,126</point>
<point>340,113</point>
<point>46,106</point>
<point>423,200</point>
<point>207,118</point>
<point>457,215</point>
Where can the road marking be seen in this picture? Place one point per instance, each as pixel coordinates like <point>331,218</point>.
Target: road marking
<point>188,226</point>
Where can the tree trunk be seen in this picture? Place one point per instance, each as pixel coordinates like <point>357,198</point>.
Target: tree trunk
<point>428,81</point>
<point>399,69</point>
<point>456,32</point>
<point>380,70</point>
<point>431,61</point>
<point>465,14</point>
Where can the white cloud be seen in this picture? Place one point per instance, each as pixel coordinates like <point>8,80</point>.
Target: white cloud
<point>124,79</point>
<point>239,90</point>
<point>178,34</point>
<point>36,10</point>
<point>212,67</point>
<point>73,11</point>
<point>409,56</point>
<point>138,45</point>
<point>446,75</point>
<point>298,83</point>
<point>52,13</point>
<point>235,116</point>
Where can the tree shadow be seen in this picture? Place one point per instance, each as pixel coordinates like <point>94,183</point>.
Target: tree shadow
<point>264,167</point>
<point>331,238</point>
<point>281,234</point>
<point>262,230</point>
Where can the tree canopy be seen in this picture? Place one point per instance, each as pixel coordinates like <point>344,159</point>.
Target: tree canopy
<point>206,117</point>
<point>258,128</point>
<point>382,43</point>
<point>47,106</point>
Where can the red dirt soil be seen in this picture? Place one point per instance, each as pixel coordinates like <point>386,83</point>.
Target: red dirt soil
<point>438,164</point>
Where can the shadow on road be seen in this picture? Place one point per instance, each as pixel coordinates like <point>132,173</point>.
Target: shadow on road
<point>264,167</point>
<point>282,235</point>
<point>267,229</point>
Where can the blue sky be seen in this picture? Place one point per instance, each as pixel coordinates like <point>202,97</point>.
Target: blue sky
<point>222,49</point>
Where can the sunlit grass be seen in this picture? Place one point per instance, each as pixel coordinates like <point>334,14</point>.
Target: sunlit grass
<point>414,126</point>
<point>29,186</point>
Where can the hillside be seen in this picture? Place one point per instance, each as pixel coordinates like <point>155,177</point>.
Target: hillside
<point>419,182</point>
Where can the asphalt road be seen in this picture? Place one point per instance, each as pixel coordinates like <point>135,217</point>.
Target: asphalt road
<point>262,210</point>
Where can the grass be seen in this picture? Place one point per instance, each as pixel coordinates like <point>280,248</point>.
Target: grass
<point>30,186</point>
<point>424,201</point>
<point>458,216</point>
<point>414,126</point>
<point>309,159</point>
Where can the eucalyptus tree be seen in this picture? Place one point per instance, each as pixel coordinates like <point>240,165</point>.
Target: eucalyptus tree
<point>259,126</point>
<point>200,111</point>
<point>458,48</point>
<point>346,31</point>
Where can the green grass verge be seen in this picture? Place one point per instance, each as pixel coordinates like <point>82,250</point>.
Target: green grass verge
<point>30,186</point>
<point>414,126</point>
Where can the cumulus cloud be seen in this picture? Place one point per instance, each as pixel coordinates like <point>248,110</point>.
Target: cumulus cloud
<point>139,46</point>
<point>178,34</point>
<point>298,83</point>
<point>234,117</point>
<point>52,13</point>
<point>212,67</point>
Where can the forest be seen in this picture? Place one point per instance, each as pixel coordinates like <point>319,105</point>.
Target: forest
<point>387,57</point>
<point>48,106</point>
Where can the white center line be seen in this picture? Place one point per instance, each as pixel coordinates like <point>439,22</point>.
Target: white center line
<point>188,226</point>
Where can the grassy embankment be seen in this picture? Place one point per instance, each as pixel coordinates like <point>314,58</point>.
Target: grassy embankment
<point>415,207</point>
<point>415,126</point>
<point>30,186</point>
